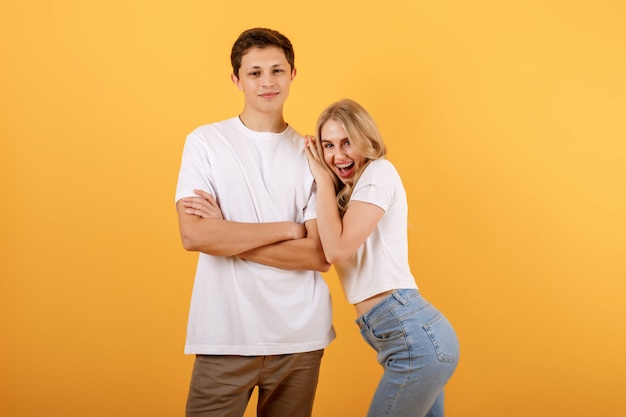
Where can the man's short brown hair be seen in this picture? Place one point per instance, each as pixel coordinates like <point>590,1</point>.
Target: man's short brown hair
<point>260,38</point>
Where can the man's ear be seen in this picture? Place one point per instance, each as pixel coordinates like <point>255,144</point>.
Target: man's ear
<point>235,81</point>
<point>293,74</point>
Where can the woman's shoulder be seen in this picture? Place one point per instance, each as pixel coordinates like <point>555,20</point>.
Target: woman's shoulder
<point>381,166</point>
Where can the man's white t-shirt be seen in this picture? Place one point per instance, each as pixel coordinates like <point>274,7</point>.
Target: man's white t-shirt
<point>381,263</point>
<point>240,307</point>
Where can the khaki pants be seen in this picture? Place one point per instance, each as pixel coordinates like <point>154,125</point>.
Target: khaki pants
<point>221,386</point>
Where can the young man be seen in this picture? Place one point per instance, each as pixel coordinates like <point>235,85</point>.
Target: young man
<point>260,311</point>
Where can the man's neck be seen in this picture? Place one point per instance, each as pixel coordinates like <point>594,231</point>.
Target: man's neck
<point>263,122</point>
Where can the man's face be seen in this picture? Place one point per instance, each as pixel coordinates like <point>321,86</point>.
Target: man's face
<point>265,77</point>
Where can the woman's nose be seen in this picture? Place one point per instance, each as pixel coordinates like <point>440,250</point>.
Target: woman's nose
<point>340,153</point>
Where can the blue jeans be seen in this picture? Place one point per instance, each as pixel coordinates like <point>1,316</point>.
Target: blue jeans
<point>419,351</point>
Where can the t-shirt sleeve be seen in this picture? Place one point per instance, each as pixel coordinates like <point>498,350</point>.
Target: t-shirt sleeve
<point>310,211</point>
<point>195,169</point>
<point>377,184</point>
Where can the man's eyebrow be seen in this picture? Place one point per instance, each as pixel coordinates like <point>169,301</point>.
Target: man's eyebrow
<point>254,66</point>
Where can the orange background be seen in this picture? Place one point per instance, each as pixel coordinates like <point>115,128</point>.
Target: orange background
<point>507,122</point>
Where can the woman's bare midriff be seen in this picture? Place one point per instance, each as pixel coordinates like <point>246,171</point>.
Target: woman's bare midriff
<point>366,305</point>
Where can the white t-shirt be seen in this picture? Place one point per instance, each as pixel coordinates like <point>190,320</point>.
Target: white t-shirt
<point>240,307</point>
<point>381,263</point>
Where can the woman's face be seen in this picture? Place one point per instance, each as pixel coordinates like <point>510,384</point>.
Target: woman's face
<point>342,159</point>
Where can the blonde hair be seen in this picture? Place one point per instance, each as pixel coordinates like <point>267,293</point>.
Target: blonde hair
<point>363,135</point>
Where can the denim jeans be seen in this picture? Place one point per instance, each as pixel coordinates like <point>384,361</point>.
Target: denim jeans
<point>419,351</point>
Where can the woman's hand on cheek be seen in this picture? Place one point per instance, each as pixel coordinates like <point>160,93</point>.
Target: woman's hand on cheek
<point>316,163</point>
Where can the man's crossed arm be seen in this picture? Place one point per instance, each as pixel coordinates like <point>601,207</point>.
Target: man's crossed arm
<point>285,245</point>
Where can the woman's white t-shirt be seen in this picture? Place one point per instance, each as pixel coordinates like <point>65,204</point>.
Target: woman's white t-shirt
<point>381,263</point>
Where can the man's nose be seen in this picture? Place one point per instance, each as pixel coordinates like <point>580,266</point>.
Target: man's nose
<point>268,79</point>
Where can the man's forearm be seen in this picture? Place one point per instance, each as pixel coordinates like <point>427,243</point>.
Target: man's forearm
<point>299,254</point>
<point>219,237</point>
<point>223,238</point>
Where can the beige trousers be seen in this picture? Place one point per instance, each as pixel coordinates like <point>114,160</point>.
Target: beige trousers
<point>221,386</point>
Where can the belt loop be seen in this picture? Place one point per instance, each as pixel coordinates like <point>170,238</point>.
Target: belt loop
<point>399,297</point>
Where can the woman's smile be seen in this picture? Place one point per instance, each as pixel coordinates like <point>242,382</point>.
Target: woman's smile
<point>342,158</point>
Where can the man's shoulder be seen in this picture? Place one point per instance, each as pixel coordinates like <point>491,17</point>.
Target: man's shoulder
<point>210,128</point>
<point>292,135</point>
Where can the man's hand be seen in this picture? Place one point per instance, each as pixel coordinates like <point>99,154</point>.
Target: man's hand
<point>204,206</point>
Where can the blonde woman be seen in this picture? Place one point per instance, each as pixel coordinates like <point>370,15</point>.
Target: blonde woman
<point>362,223</point>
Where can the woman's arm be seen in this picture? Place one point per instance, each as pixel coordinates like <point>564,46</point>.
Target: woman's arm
<point>340,237</point>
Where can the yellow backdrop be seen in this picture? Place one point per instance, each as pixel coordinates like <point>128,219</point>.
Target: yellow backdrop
<point>507,122</point>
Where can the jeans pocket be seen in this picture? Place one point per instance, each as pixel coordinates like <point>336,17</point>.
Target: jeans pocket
<point>443,338</point>
<point>387,329</point>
